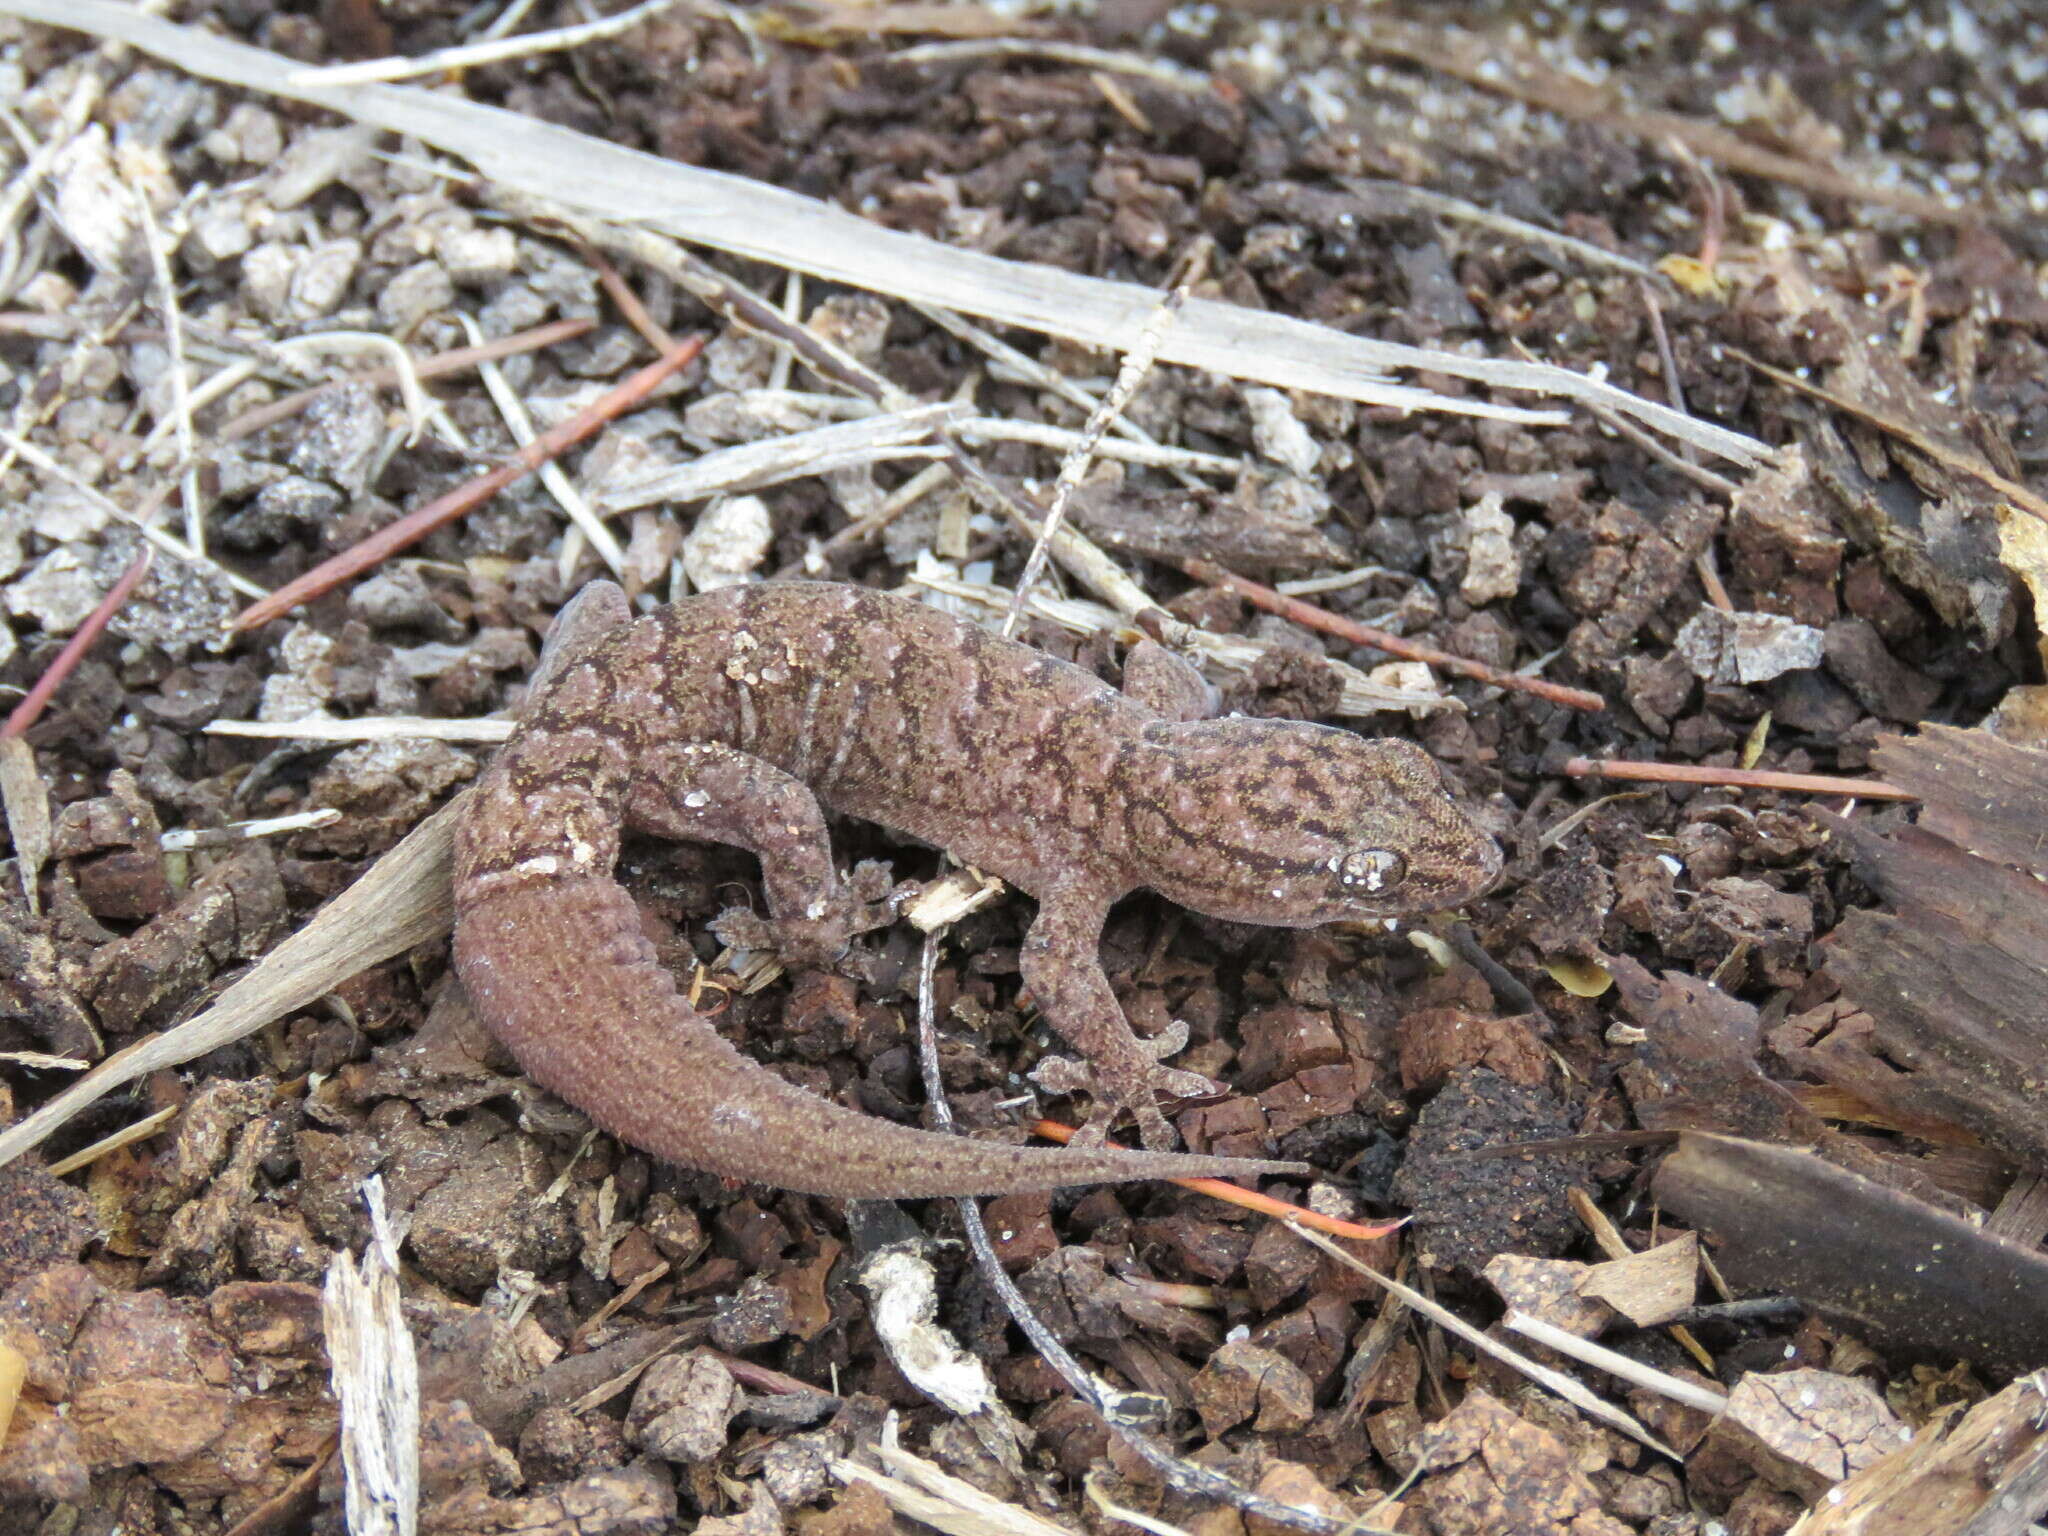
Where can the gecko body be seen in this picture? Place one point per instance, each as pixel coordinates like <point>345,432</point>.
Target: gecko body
<point>743,715</point>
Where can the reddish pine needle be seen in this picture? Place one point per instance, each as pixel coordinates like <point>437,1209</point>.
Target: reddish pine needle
<point>1737,778</point>
<point>31,707</point>
<point>416,525</point>
<point>621,293</point>
<point>1309,615</point>
<point>1251,1199</point>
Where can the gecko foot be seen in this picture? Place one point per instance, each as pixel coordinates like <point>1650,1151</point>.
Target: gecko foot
<point>1133,1088</point>
<point>821,937</point>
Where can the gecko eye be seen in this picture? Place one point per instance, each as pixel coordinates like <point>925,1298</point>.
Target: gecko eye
<point>1371,871</point>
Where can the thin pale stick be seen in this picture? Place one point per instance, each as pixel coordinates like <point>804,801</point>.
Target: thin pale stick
<point>1615,1363</point>
<point>1136,365</point>
<point>454,361</point>
<point>574,504</point>
<point>181,386</point>
<point>1571,1390</point>
<point>470,55</point>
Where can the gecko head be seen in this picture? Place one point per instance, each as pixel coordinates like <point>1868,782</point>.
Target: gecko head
<point>1291,824</point>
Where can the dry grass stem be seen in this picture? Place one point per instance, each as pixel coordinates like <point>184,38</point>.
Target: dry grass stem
<point>491,51</point>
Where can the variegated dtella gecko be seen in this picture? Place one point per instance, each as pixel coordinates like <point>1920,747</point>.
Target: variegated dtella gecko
<point>743,715</point>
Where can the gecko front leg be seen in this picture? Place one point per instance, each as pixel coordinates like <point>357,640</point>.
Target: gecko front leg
<point>1062,965</point>
<point>708,793</point>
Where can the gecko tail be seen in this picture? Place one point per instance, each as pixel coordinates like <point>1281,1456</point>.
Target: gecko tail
<point>560,971</point>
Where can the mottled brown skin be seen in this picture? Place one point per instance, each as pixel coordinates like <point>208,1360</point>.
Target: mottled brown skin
<point>742,716</point>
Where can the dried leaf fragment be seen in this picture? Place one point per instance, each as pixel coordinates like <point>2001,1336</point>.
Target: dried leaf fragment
<point>1651,1287</point>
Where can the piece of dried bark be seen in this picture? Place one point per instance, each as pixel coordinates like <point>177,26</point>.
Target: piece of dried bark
<point>1942,543</point>
<point>1986,1474</point>
<point>1696,1070</point>
<point>1435,1043</point>
<point>1977,791</point>
<point>1746,648</point>
<point>199,1241</point>
<point>1494,1471</point>
<point>755,1315</point>
<point>483,1212</point>
<point>458,1452</point>
<point>1784,556</point>
<point>33,989</point>
<point>626,1501</point>
<point>1549,1290</point>
<point>1242,1382</point>
<point>40,1458</point>
<point>1883,1263</point>
<point>269,1317</point>
<point>1804,1430</point>
<point>43,1221</point>
<point>1859,660</point>
<point>200,1140</point>
<point>1288,1482</point>
<point>682,1407</point>
<point>1953,978</point>
<point>233,912</point>
<point>116,839</point>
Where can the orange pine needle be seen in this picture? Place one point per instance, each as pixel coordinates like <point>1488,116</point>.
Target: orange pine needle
<point>1251,1199</point>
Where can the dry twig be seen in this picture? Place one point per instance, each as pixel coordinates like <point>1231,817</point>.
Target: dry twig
<point>1310,616</point>
<point>1736,778</point>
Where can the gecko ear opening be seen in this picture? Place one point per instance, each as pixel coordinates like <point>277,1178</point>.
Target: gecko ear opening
<point>1371,871</point>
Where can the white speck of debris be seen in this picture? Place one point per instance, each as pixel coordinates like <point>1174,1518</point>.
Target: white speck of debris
<point>696,799</point>
<point>1671,864</point>
<point>1492,569</point>
<point>1278,433</point>
<point>728,543</point>
<point>729,1112</point>
<point>545,864</point>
